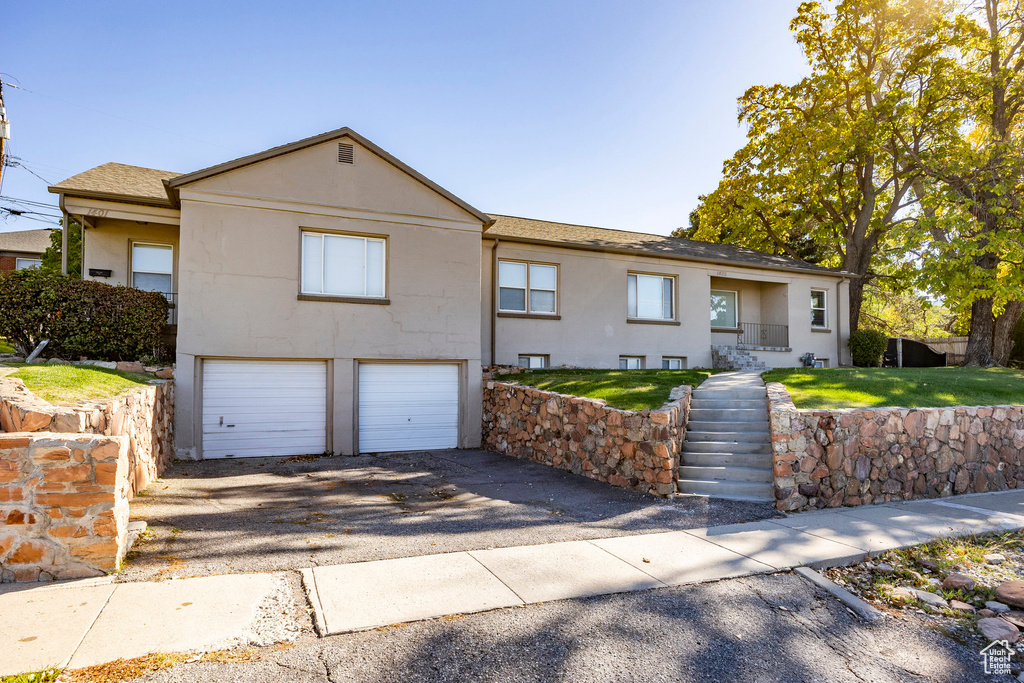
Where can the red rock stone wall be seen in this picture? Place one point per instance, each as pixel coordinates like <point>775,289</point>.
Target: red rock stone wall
<point>143,415</point>
<point>639,451</point>
<point>63,505</point>
<point>828,458</point>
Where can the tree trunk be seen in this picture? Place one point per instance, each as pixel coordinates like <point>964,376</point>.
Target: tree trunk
<point>856,292</point>
<point>1002,343</point>
<point>979,342</point>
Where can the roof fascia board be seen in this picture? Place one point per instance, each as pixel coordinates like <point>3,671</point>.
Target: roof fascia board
<point>673,257</point>
<point>111,196</point>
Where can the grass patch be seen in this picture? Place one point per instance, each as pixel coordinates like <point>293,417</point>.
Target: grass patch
<point>5,347</point>
<point>626,389</point>
<point>903,387</point>
<point>74,383</point>
<point>43,676</point>
<point>121,670</point>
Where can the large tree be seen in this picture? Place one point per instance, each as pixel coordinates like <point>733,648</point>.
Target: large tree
<point>975,170</point>
<point>825,159</point>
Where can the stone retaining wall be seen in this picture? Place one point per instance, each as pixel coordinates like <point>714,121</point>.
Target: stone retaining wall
<point>63,505</point>
<point>144,416</point>
<point>635,450</point>
<point>828,458</point>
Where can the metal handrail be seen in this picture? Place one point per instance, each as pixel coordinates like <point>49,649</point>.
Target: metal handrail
<point>763,334</point>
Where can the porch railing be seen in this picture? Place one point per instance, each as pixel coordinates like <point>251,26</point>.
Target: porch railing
<point>763,334</point>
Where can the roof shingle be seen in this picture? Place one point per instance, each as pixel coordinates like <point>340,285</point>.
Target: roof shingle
<point>25,241</point>
<point>514,228</point>
<point>119,180</point>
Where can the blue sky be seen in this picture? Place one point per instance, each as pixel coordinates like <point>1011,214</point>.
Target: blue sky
<point>617,114</point>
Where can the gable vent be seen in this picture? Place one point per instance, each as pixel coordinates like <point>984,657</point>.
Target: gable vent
<point>345,153</point>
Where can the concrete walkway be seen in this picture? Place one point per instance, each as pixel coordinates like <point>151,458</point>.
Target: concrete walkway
<point>81,623</point>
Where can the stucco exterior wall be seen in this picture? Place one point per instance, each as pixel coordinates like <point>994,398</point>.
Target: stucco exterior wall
<point>239,279</point>
<point>592,330</point>
<point>107,245</point>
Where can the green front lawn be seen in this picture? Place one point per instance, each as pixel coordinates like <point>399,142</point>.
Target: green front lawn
<point>626,389</point>
<point>74,383</point>
<point>5,347</point>
<point>904,387</point>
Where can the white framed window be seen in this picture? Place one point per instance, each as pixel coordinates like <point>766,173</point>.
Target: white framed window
<point>527,287</point>
<point>650,297</point>
<point>27,263</point>
<point>669,363</point>
<point>533,362</point>
<point>821,362</point>
<point>819,308</point>
<point>631,362</point>
<point>153,267</point>
<point>343,265</point>
<point>724,309</point>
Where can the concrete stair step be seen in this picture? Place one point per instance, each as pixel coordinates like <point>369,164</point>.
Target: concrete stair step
<point>715,403</point>
<point>732,490</point>
<point>722,473</point>
<point>734,426</point>
<point>760,448</point>
<point>729,414</point>
<point>719,394</point>
<point>733,437</point>
<point>721,459</point>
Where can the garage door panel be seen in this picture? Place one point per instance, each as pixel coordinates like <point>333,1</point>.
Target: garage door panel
<point>264,408</point>
<point>404,407</point>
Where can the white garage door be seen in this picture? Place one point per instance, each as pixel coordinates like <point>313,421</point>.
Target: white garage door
<point>260,408</point>
<point>408,407</point>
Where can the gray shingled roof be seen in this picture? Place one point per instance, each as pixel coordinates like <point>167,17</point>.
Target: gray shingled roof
<point>25,241</point>
<point>514,228</point>
<point>136,183</point>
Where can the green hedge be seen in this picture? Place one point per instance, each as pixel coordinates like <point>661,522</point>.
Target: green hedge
<point>867,347</point>
<point>80,317</point>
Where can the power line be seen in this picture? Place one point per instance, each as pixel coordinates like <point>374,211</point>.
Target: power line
<point>29,202</point>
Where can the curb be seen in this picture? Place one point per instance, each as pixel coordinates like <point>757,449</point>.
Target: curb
<point>309,584</point>
<point>860,608</point>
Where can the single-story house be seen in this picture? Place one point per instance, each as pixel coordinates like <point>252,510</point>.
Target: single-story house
<point>328,297</point>
<point>23,249</point>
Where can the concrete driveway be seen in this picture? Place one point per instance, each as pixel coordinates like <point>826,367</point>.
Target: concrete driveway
<point>259,514</point>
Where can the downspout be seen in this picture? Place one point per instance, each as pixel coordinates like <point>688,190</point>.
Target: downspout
<point>839,322</point>
<point>63,236</point>
<point>494,293</point>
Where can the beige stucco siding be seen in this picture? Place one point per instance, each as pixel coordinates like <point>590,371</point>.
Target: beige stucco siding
<point>107,245</point>
<point>592,329</point>
<point>239,273</point>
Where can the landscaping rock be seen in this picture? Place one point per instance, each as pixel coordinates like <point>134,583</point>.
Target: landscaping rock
<point>961,606</point>
<point>884,568</point>
<point>930,598</point>
<point>130,366</point>
<point>108,364</point>
<point>986,613</point>
<point>900,593</point>
<point>996,607</point>
<point>995,558</point>
<point>955,582</point>
<point>1011,593</point>
<point>57,361</point>
<point>997,629</point>
<point>1014,617</point>
<point>165,373</point>
<point>928,565</point>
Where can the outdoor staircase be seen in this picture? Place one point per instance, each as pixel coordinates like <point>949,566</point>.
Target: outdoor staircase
<point>724,357</point>
<point>727,449</point>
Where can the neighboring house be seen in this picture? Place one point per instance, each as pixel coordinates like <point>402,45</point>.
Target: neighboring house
<point>22,249</point>
<point>328,297</point>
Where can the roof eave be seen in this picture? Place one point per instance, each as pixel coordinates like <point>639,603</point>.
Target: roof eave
<point>173,184</point>
<point>112,197</point>
<point>669,255</point>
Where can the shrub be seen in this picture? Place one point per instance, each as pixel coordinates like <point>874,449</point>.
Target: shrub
<point>867,347</point>
<point>80,317</point>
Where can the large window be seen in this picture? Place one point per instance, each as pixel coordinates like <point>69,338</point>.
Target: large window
<point>153,267</point>
<point>342,265</point>
<point>27,263</point>
<point>819,308</point>
<point>723,309</point>
<point>631,362</point>
<point>668,363</point>
<point>649,297</point>
<point>527,287</point>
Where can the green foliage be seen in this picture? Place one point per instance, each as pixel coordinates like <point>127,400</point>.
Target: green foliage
<point>52,255</point>
<point>74,383</point>
<point>80,317</point>
<point>907,312</point>
<point>49,675</point>
<point>625,389</point>
<point>904,387</point>
<point>867,347</point>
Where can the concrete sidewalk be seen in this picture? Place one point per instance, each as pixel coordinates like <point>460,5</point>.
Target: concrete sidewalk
<point>365,595</point>
<point>81,623</point>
